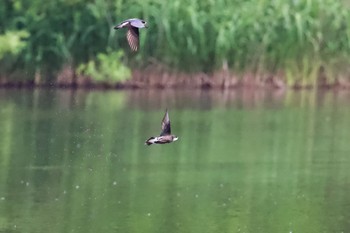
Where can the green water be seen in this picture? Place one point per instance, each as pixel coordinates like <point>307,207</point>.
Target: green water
<point>74,161</point>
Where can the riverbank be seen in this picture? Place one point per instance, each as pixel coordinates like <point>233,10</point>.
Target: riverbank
<point>160,79</point>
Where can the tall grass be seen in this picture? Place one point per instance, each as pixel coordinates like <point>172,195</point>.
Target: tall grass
<point>262,36</point>
<point>296,37</point>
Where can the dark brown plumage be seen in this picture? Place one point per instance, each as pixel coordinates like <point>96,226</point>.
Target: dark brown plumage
<point>132,35</point>
<point>165,135</point>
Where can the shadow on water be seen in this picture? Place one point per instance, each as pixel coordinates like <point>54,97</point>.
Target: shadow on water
<point>246,161</point>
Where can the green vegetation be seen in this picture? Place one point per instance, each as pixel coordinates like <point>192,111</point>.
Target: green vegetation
<point>106,67</point>
<point>12,42</point>
<point>294,37</point>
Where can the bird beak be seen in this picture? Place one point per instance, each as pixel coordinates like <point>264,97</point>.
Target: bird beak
<point>116,27</point>
<point>146,26</point>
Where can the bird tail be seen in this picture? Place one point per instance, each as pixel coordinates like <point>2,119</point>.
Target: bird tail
<point>150,141</point>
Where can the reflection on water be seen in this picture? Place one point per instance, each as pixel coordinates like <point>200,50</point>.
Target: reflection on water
<point>246,161</point>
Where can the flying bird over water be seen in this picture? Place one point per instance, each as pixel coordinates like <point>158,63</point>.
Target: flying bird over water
<point>165,135</point>
<point>132,35</point>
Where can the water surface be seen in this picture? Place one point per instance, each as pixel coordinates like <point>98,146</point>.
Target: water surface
<point>262,161</point>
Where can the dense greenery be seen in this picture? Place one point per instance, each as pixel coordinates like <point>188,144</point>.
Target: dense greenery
<point>297,37</point>
<point>105,68</point>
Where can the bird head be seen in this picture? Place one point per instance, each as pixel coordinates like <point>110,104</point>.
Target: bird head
<point>144,24</point>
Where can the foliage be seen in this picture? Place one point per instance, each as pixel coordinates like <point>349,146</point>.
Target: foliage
<point>12,42</point>
<point>106,68</point>
<point>11,45</point>
<point>198,35</point>
<point>251,35</point>
<point>61,31</point>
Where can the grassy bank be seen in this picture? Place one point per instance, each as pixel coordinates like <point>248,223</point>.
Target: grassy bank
<point>296,41</point>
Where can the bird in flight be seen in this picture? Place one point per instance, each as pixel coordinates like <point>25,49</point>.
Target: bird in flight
<point>132,35</point>
<point>165,136</point>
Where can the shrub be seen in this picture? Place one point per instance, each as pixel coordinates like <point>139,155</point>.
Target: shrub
<point>12,42</point>
<point>106,68</point>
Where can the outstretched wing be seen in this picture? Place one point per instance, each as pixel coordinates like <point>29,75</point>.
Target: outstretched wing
<point>132,35</point>
<point>166,130</point>
<point>123,24</point>
<point>137,23</point>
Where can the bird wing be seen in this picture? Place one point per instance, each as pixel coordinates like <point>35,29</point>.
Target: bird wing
<point>137,23</point>
<point>132,35</point>
<point>122,24</point>
<point>166,130</point>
